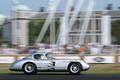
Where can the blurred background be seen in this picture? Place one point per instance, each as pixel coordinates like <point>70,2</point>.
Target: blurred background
<point>88,29</point>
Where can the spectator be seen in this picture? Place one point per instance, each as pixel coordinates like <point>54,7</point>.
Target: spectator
<point>95,50</point>
<point>87,50</point>
<point>75,49</point>
<point>6,50</point>
<point>4,45</point>
<point>118,50</point>
<point>104,50</point>
<point>32,50</point>
<point>48,49</point>
<point>81,49</point>
<point>69,49</point>
<point>22,49</point>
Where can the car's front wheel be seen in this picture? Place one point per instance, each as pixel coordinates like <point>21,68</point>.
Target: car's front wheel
<point>75,68</point>
<point>29,68</point>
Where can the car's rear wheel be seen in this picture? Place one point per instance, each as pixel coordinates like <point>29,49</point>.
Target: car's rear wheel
<point>29,68</point>
<point>75,68</point>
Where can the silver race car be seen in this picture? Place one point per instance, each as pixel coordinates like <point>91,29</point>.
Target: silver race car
<point>41,61</point>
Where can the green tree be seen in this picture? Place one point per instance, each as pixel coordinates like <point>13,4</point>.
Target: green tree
<point>47,34</point>
<point>31,28</point>
<point>56,29</point>
<point>116,30</point>
<point>36,27</point>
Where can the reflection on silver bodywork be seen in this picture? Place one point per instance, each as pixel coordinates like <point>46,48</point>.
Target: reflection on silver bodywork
<point>44,61</point>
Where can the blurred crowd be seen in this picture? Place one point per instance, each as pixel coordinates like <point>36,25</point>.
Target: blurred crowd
<point>91,48</point>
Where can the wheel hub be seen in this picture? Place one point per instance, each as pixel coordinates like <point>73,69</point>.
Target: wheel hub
<point>29,68</point>
<point>74,68</point>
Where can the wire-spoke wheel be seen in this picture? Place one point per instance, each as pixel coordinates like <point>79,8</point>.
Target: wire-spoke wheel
<point>75,68</point>
<point>29,68</point>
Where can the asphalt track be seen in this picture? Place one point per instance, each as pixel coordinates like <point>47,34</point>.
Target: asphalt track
<point>59,77</point>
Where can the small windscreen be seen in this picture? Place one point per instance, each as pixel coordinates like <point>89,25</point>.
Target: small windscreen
<point>49,56</point>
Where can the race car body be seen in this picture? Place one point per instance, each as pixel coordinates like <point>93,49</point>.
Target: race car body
<point>41,61</point>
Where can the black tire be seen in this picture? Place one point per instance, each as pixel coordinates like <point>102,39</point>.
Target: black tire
<point>29,68</point>
<point>75,68</point>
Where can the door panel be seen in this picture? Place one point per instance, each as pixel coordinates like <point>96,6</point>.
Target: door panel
<point>61,64</point>
<point>43,64</point>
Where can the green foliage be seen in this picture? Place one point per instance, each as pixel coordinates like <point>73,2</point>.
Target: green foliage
<point>32,32</point>
<point>47,34</point>
<point>6,42</point>
<point>36,27</point>
<point>116,30</point>
<point>56,29</point>
<point>1,41</point>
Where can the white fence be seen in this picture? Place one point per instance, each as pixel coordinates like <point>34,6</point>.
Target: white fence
<point>103,58</point>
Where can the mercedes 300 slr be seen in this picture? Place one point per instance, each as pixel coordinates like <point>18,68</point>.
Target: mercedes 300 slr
<point>41,61</point>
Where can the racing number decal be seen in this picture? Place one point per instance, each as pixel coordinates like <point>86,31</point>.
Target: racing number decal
<point>51,66</point>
